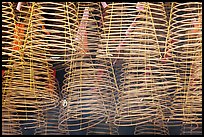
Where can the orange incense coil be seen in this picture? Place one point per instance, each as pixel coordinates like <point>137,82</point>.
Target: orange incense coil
<point>187,53</point>
<point>19,35</point>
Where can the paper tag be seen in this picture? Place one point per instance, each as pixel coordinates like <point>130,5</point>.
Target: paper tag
<point>104,4</point>
<point>19,6</point>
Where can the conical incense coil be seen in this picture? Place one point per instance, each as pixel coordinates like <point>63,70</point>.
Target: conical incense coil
<point>123,27</point>
<point>103,128</point>
<point>87,76</point>
<point>51,119</point>
<point>8,36</point>
<point>33,86</point>
<point>138,101</point>
<point>59,24</point>
<point>82,95</point>
<point>192,123</point>
<point>160,22</point>
<point>10,125</point>
<point>154,127</point>
<point>106,127</point>
<point>89,15</point>
<point>169,77</point>
<point>186,33</point>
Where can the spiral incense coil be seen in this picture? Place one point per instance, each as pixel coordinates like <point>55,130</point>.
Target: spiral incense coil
<point>31,76</point>
<point>186,36</point>
<point>103,128</point>
<point>155,127</point>
<point>29,99</point>
<point>121,24</point>
<point>106,127</point>
<point>192,123</point>
<point>169,77</point>
<point>89,14</point>
<point>87,76</point>
<point>51,123</point>
<point>51,119</point>
<point>82,93</point>
<point>8,27</point>
<point>10,126</point>
<point>157,10</point>
<point>139,98</point>
<point>59,23</point>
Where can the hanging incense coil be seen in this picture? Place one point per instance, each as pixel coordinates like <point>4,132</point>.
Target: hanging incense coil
<point>117,23</point>
<point>138,100</point>
<point>186,32</point>
<point>106,127</point>
<point>8,27</point>
<point>155,127</point>
<point>59,24</point>
<point>10,125</point>
<point>121,22</point>
<point>192,123</point>
<point>51,120</point>
<point>86,78</point>
<point>31,77</point>
<point>166,81</point>
<point>160,23</point>
<point>82,92</point>
<point>103,128</point>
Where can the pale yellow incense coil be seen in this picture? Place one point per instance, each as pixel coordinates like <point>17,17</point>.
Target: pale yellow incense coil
<point>103,128</point>
<point>138,100</point>
<point>117,21</point>
<point>51,120</point>
<point>186,31</point>
<point>106,127</point>
<point>155,127</point>
<point>8,26</point>
<point>87,76</point>
<point>167,80</point>
<point>31,88</point>
<point>10,125</point>
<point>159,17</point>
<point>59,24</point>
<point>192,123</point>
<point>82,92</point>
